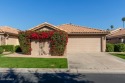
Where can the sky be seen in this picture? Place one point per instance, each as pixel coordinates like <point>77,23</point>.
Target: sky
<point>25,14</point>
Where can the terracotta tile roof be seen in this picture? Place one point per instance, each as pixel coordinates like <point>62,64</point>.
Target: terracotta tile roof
<point>120,32</point>
<point>70,28</point>
<point>6,29</point>
<point>115,30</point>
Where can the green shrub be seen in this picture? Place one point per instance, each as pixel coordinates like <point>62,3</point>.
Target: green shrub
<point>25,42</point>
<point>1,50</point>
<point>8,48</point>
<point>120,47</point>
<point>109,47</point>
<point>58,43</point>
<point>18,48</point>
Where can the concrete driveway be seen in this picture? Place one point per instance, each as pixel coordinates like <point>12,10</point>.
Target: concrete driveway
<point>95,61</point>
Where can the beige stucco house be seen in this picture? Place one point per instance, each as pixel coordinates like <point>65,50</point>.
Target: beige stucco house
<point>116,36</point>
<point>80,38</point>
<point>8,36</point>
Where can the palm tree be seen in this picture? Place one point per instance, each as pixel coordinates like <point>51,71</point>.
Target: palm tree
<point>111,26</point>
<point>123,19</point>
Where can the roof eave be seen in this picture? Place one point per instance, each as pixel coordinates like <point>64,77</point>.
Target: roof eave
<point>44,24</point>
<point>1,33</point>
<point>80,33</point>
<point>116,36</point>
<point>11,33</point>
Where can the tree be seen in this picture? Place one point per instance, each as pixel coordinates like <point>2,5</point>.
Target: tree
<point>111,26</point>
<point>108,30</point>
<point>123,19</point>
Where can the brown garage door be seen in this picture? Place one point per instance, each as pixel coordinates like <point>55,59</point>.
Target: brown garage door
<point>84,44</point>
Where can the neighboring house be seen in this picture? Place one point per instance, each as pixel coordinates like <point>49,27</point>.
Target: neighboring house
<point>8,36</point>
<point>116,36</point>
<point>80,39</point>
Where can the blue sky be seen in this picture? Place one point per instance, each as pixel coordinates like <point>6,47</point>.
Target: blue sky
<point>25,14</point>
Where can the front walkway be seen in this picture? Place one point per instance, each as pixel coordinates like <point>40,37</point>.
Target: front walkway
<point>95,62</point>
<point>29,56</point>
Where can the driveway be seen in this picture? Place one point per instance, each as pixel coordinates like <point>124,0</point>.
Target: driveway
<point>95,61</point>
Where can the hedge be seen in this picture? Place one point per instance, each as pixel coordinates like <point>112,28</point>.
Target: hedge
<point>109,47</point>
<point>8,48</point>
<point>1,50</point>
<point>120,47</point>
<point>11,48</point>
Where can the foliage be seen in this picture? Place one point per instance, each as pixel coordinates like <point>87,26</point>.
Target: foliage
<point>123,19</point>
<point>58,41</point>
<point>18,48</point>
<point>111,26</point>
<point>41,35</point>
<point>108,29</point>
<point>8,48</point>
<point>120,47</point>
<point>25,42</point>
<point>109,47</point>
<point>1,50</point>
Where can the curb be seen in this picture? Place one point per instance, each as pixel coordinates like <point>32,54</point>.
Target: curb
<point>45,70</point>
<point>33,70</point>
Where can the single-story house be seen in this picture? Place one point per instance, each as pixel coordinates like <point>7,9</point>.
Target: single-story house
<point>8,36</point>
<point>116,36</point>
<point>80,38</point>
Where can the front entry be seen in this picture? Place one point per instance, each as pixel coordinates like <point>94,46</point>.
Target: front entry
<point>40,48</point>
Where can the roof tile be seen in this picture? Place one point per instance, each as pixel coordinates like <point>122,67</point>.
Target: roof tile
<point>120,32</point>
<point>7,29</point>
<point>70,28</point>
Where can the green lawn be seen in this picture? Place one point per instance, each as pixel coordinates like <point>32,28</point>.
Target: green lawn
<point>121,55</point>
<point>14,62</point>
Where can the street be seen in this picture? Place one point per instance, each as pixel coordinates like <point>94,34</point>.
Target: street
<point>62,77</point>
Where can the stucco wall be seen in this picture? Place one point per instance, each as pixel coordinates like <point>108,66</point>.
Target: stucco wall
<point>2,40</point>
<point>12,41</point>
<point>45,28</point>
<point>115,40</point>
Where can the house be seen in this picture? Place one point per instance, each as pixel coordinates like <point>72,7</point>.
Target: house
<point>116,36</point>
<point>80,38</point>
<point>8,36</point>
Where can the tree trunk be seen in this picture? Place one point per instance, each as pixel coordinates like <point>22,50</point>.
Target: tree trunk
<point>123,24</point>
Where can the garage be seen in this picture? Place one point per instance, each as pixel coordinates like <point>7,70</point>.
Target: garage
<point>84,44</point>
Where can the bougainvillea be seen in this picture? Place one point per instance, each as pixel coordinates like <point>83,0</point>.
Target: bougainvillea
<point>58,41</point>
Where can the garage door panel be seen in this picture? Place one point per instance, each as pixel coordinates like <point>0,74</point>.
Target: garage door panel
<point>84,44</point>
